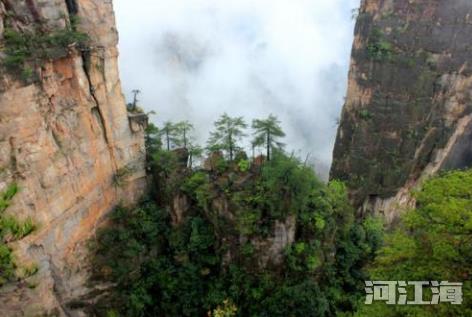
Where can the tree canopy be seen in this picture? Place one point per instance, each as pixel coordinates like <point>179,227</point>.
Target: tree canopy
<point>227,135</point>
<point>183,133</point>
<point>169,132</point>
<point>433,243</point>
<point>267,132</point>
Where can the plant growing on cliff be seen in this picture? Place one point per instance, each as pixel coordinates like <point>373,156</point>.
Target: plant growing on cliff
<point>378,48</point>
<point>122,174</point>
<point>7,196</point>
<point>10,230</point>
<point>227,135</point>
<point>365,114</point>
<point>25,51</point>
<point>266,133</point>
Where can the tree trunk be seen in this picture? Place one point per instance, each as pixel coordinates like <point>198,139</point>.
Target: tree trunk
<point>268,145</point>
<point>185,138</point>
<point>167,139</point>
<point>230,147</point>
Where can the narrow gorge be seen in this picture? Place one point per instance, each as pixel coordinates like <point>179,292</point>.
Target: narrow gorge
<point>104,212</point>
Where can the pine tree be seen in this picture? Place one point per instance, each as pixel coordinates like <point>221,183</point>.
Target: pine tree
<point>228,132</point>
<point>152,138</point>
<point>194,152</point>
<point>267,132</point>
<point>169,133</point>
<point>183,129</point>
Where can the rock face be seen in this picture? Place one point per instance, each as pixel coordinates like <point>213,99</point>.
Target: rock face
<point>408,108</point>
<point>65,139</point>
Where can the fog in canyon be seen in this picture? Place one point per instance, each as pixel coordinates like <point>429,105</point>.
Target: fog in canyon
<point>196,59</point>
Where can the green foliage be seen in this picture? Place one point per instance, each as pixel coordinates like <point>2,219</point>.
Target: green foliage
<point>244,165</point>
<point>431,244</point>
<point>24,51</point>
<point>165,162</point>
<point>379,49</point>
<point>228,132</point>
<point>7,196</point>
<point>10,230</point>
<point>122,174</point>
<point>197,187</point>
<point>192,183</point>
<point>152,140</point>
<point>7,266</point>
<point>158,271</point>
<point>247,221</point>
<point>209,262</point>
<point>28,270</point>
<point>183,133</point>
<point>170,134</point>
<point>11,226</point>
<point>194,152</point>
<point>112,313</point>
<point>365,114</point>
<point>266,133</point>
<point>228,309</point>
<point>286,185</point>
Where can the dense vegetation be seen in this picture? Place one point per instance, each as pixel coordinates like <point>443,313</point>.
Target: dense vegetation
<point>433,243</point>
<point>214,240</point>
<point>205,245</point>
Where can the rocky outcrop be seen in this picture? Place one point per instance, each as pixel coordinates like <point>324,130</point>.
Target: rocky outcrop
<point>65,138</point>
<point>408,111</point>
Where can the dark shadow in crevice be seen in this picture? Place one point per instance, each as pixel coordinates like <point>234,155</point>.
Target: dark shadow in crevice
<point>460,156</point>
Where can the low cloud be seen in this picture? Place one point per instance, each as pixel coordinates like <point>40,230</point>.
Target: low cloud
<point>195,59</point>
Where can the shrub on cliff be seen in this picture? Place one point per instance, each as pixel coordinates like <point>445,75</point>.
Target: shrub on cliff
<point>10,230</point>
<point>26,50</point>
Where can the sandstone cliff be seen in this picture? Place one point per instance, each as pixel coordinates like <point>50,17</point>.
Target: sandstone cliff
<point>65,138</point>
<point>408,108</point>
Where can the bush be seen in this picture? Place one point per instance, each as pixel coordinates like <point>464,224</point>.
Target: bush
<point>286,185</point>
<point>244,165</point>
<point>379,48</point>
<point>11,229</point>
<point>27,50</point>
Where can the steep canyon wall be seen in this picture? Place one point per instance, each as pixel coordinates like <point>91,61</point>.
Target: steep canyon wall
<point>65,137</point>
<point>408,110</point>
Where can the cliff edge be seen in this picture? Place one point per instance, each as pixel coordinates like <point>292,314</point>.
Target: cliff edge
<point>66,139</point>
<point>408,108</point>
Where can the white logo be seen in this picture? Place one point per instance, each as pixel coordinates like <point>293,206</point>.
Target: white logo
<point>387,291</point>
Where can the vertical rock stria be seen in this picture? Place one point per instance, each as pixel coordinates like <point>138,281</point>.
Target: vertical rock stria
<point>408,108</point>
<point>65,137</point>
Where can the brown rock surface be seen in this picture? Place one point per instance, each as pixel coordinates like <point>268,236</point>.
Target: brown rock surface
<point>408,107</point>
<point>62,139</point>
